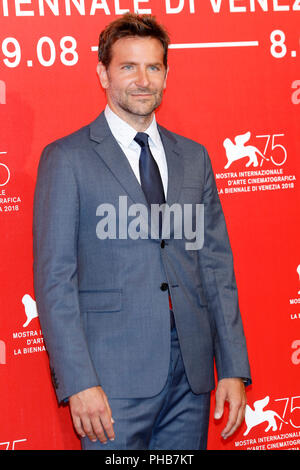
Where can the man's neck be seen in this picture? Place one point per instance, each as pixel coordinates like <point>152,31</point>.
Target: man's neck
<point>139,123</point>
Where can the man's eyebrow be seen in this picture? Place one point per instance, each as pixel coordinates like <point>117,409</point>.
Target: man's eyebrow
<point>130,62</point>
<point>156,63</point>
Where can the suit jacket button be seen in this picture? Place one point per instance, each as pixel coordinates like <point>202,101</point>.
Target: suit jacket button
<point>162,245</point>
<point>164,286</point>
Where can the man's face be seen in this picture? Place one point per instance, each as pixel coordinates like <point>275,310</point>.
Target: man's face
<point>135,78</point>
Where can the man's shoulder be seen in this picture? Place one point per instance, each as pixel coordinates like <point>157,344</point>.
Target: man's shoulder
<point>77,139</point>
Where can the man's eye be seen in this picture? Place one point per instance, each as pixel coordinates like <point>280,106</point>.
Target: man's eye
<point>127,67</point>
<point>154,67</point>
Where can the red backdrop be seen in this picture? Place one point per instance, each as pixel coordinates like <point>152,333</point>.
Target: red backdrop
<point>234,71</point>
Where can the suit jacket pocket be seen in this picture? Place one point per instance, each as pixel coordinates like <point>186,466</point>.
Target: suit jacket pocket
<point>108,300</point>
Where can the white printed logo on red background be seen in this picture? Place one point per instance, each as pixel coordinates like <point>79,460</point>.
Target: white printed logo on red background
<point>272,424</point>
<point>255,163</point>
<point>12,445</point>
<point>25,341</point>
<point>259,414</point>
<point>294,301</point>
<point>9,203</point>
<point>239,150</point>
<point>4,171</point>
<point>29,340</point>
<point>30,309</point>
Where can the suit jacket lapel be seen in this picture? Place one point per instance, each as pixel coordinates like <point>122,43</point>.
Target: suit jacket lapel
<point>111,153</point>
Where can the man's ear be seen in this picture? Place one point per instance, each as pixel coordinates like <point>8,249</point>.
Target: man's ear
<point>102,74</point>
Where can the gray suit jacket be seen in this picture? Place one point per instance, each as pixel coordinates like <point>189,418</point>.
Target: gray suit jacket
<point>103,303</point>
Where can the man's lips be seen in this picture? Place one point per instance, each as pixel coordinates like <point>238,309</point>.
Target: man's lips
<point>141,94</point>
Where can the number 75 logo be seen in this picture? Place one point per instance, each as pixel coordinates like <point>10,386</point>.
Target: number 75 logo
<point>11,445</point>
<point>278,157</point>
<point>292,404</point>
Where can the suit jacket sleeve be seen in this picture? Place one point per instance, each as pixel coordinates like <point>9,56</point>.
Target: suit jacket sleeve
<point>55,228</point>
<point>216,264</point>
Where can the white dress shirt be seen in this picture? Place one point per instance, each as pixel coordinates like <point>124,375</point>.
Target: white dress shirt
<point>124,135</point>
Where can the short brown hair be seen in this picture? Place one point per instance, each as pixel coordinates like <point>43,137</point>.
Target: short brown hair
<point>129,25</point>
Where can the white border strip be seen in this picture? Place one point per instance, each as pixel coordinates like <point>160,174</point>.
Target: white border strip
<point>206,45</point>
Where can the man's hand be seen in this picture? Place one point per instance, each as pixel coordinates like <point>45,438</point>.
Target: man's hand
<point>233,391</point>
<point>91,414</point>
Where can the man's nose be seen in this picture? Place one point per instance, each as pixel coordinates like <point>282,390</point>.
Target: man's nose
<point>142,78</point>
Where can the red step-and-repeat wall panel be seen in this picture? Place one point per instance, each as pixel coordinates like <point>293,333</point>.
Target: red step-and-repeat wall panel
<point>234,85</point>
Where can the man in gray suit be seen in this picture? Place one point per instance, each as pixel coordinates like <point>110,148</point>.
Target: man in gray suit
<point>134,316</point>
